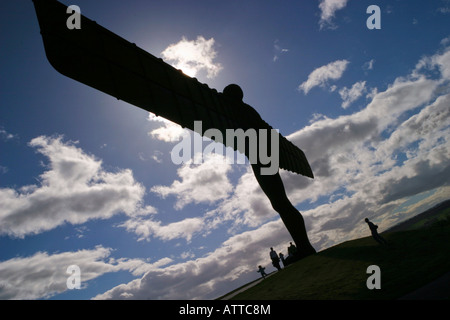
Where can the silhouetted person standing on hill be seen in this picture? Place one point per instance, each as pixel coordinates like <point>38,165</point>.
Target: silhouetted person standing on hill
<point>375,235</point>
<point>292,249</point>
<point>275,259</point>
<point>272,185</point>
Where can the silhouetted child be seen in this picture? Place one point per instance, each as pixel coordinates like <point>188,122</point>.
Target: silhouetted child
<point>375,235</point>
<point>261,270</point>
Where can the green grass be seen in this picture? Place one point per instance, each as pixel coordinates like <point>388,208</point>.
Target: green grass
<point>439,218</point>
<point>411,260</point>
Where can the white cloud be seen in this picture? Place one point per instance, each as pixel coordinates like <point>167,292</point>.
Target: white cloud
<point>368,65</point>
<point>157,156</point>
<point>203,183</point>
<point>43,275</point>
<point>321,75</point>
<point>328,9</point>
<point>243,205</point>
<point>442,62</point>
<point>187,255</point>
<point>5,135</point>
<point>278,50</point>
<point>168,132</point>
<point>439,61</point>
<point>74,189</point>
<point>149,228</point>
<point>247,205</point>
<point>341,148</point>
<point>193,56</point>
<point>231,265</point>
<point>372,161</point>
<point>445,9</point>
<point>445,41</point>
<point>351,95</point>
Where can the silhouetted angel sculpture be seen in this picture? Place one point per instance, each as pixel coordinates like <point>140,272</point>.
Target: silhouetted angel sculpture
<point>101,59</point>
<point>272,185</point>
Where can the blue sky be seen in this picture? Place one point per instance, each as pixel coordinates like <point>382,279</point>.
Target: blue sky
<point>88,180</point>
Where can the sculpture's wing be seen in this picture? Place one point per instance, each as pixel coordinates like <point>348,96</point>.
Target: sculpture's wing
<point>101,59</point>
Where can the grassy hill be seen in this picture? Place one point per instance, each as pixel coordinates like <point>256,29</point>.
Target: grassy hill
<point>412,259</point>
<point>440,212</point>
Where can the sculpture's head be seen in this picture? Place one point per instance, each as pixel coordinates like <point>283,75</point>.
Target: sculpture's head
<point>234,92</point>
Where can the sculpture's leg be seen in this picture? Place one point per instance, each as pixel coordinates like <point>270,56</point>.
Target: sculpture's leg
<point>273,187</point>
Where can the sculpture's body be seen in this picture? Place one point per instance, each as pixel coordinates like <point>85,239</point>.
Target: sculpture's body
<point>102,60</point>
